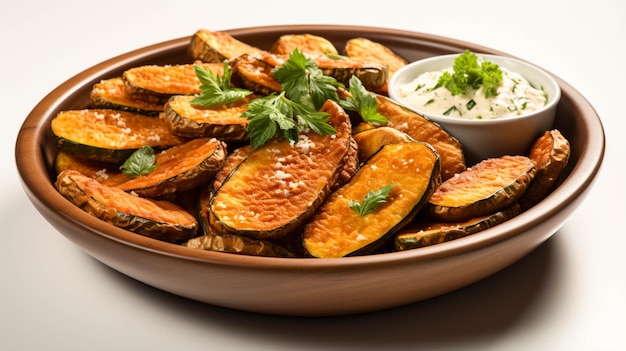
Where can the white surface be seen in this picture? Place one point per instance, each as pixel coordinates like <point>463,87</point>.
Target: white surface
<point>570,294</point>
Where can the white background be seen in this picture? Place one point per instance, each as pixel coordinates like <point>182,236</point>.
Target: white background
<point>569,294</point>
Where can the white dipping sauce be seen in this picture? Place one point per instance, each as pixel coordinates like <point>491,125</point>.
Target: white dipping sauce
<point>515,97</point>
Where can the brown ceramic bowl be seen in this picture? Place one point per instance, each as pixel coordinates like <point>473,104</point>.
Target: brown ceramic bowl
<point>305,287</point>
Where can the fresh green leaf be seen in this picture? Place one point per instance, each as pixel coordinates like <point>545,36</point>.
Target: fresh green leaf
<point>275,114</point>
<point>371,201</point>
<point>268,115</point>
<point>140,162</point>
<point>216,90</point>
<point>468,73</point>
<point>296,109</point>
<point>336,56</point>
<point>363,102</point>
<point>304,82</point>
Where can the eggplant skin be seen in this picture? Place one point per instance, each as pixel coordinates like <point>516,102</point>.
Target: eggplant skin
<point>238,244</point>
<point>423,234</point>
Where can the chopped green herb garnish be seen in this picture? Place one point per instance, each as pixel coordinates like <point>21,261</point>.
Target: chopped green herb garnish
<point>216,90</point>
<point>371,201</point>
<point>363,102</point>
<point>470,104</point>
<point>468,73</point>
<point>449,110</point>
<point>140,162</point>
<point>304,82</point>
<point>335,56</point>
<point>274,114</point>
<point>304,90</point>
<point>429,101</point>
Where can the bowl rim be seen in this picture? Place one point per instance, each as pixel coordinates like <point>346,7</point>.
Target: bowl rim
<point>31,167</point>
<point>553,99</point>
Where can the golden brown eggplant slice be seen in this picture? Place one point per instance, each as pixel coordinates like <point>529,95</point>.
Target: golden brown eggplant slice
<point>161,220</point>
<point>485,188</point>
<point>280,184</point>
<point>410,169</point>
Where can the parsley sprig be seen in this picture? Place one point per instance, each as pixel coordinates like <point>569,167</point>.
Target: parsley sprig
<point>363,102</point>
<point>140,162</point>
<point>295,109</point>
<point>304,82</point>
<point>468,73</point>
<point>371,201</point>
<point>304,90</point>
<point>274,114</point>
<point>215,89</point>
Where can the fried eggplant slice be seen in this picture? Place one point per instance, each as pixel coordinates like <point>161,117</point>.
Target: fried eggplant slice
<point>367,50</point>
<point>109,135</point>
<point>371,140</point>
<point>371,74</point>
<point>167,80</point>
<point>306,43</point>
<point>422,234</point>
<point>179,168</point>
<point>214,47</point>
<point>224,121</point>
<point>161,220</point>
<point>112,93</point>
<point>412,169</point>
<point>551,153</point>
<point>485,188</point>
<point>254,74</point>
<point>280,184</point>
<point>238,244</point>
<point>421,128</point>
<point>98,170</point>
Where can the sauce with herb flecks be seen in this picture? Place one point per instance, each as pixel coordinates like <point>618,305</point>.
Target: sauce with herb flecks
<point>515,97</point>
